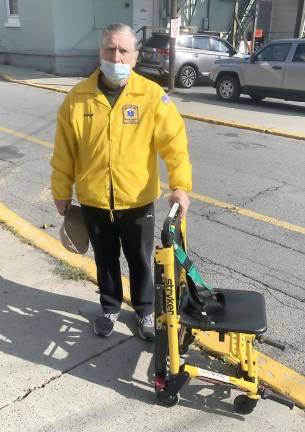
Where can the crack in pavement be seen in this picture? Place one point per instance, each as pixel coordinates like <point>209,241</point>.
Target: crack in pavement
<point>59,374</point>
<point>249,233</point>
<point>263,192</point>
<point>264,284</point>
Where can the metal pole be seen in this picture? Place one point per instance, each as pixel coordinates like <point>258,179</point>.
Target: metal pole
<point>300,19</point>
<point>172,50</point>
<point>255,25</point>
<point>235,23</point>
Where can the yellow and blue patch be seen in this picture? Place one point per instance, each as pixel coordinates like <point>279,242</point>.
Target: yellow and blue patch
<point>130,114</point>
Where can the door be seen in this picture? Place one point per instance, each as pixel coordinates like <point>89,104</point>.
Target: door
<point>268,66</point>
<point>295,70</point>
<point>202,55</point>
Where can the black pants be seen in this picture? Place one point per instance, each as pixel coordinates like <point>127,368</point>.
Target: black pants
<point>134,230</point>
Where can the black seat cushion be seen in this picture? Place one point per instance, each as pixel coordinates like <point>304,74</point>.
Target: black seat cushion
<point>241,311</point>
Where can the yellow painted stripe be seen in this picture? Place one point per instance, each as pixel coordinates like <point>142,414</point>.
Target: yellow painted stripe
<point>245,212</point>
<point>26,137</point>
<point>52,246</point>
<point>203,198</point>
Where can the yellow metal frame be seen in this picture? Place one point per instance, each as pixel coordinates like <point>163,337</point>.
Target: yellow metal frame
<point>237,348</point>
<point>241,345</point>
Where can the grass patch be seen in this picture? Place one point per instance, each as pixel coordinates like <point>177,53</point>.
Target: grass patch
<point>66,271</point>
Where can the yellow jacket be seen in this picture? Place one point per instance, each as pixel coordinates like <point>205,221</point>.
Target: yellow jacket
<point>97,145</point>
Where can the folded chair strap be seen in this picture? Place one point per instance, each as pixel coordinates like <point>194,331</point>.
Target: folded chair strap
<point>189,267</point>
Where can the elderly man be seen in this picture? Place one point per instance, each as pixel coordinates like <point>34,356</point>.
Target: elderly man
<point>110,129</point>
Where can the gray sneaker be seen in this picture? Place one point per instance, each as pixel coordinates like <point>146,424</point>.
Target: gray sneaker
<point>104,324</point>
<point>146,327</point>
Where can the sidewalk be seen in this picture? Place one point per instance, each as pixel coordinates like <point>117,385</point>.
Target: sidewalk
<point>200,103</point>
<point>57,376</point>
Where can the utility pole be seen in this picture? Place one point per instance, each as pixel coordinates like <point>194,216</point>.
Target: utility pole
<point>172,49</point>
<point>255,25</point>
<point>235,22</point>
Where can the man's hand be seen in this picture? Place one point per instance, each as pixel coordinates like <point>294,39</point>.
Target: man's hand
<point>181,197</point>
<point>62,205</point>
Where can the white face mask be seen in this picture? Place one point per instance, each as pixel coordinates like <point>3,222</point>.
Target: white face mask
<point>116,73</point>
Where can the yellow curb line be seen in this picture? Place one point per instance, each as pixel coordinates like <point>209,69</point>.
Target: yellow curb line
<point>204,119</point>
<point>52,246</point>
<point>253,128</point>
<point>24,82</point>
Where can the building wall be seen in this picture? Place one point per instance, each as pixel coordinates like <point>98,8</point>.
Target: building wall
<point>35,33</point>
<point>75,36</point>
<point>283,18</point>
<point>221,15</point>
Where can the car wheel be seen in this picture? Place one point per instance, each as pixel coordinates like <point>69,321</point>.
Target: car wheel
<point>257,98</point>
<point>228,88</point>
<point>187,76</point>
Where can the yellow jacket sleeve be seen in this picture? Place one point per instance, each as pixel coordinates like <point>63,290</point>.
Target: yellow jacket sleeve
<point>170,141</point>
<point>63,159</point>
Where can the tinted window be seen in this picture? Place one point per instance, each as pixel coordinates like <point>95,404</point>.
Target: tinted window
<point>202,43</point>
<point>299,55</point>
<point>274,52</point>
<point>219,45</point>
<point>157,41</point>
<point>185,42</point>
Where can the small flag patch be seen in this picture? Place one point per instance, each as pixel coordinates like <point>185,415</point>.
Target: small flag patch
<point>165,99</point>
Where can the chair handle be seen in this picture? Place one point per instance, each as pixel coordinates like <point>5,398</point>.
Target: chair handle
<point>167,236</point>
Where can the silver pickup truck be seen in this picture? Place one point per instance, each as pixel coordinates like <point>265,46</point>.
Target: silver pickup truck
<point>277,70</point>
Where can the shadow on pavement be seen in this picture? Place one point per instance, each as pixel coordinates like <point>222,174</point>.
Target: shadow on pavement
<point>50,329</point>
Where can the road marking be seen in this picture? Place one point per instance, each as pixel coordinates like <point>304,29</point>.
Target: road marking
<point>203,198</point>
<point>26,137</point>
<point>244,212</point>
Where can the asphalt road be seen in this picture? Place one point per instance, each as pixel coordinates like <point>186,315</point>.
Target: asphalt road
<point>261,173</point>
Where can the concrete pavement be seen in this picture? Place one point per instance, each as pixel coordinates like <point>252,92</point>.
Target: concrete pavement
<point>57,376</point>
<point>199,103</point>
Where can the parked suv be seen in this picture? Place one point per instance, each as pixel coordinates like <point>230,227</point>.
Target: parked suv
<point>195,55</point>
<point>277,70</point>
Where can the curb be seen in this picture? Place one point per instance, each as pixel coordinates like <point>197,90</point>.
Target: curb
<point>53,247</point>
<point>211,120</point>
<point>246,126</point>
<point>8,78</point>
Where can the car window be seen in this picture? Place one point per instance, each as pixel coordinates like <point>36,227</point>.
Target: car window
<point>202,43</point>
<point>274,52</point>
<point>219,45</point>
<point>299,55</point>
<point>184,42</point>
<point>157,41</point>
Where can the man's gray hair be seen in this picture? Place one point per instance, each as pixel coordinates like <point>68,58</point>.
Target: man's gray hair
<point>119,28</point>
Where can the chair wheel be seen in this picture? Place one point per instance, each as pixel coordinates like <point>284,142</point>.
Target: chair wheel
<point>244,405</point>
<point>167,400</point>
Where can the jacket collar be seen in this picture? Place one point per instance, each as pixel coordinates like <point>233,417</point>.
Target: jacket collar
<point>135,84</point>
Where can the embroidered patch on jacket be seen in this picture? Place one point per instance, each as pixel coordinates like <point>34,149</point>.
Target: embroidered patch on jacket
<point>165,99</point>
<point>130,114</point>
